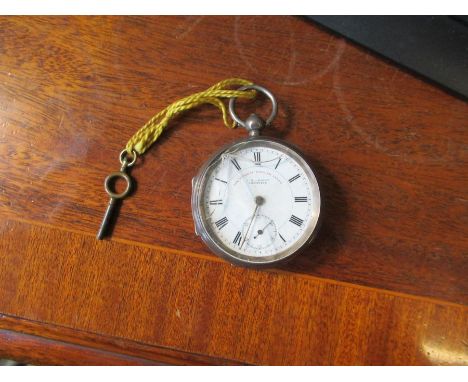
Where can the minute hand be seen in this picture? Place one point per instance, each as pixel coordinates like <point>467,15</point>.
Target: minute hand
<point>250,224</point>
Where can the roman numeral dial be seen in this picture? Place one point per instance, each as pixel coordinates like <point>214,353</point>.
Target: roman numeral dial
<point>236,164</point>
<point>257,201</point>
<point>257,157</point>
<point>295,177</point>
<point>295,220</point>
<point>238,238</point>
<point>221,223</point>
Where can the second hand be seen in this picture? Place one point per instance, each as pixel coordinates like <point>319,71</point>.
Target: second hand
<point>260,231</point>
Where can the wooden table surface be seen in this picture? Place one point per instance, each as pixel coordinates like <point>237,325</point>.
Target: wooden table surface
<point>385,282</point>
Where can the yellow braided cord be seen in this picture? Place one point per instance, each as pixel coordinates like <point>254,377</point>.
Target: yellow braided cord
<point>149,133</point>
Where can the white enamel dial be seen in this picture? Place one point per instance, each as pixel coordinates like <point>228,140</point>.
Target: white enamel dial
<point>259,201</point>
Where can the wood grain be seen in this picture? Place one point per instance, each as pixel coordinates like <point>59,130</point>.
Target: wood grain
<point>390,155</point>
<point>42,343</point>
<point>388,148</point>
<point>32,349</point>
<point>192,304</point>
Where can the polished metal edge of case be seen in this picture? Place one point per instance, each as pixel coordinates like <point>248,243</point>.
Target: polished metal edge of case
<point>226,253</point>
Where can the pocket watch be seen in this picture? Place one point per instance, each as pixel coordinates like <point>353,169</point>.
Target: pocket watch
<point>256,202</point>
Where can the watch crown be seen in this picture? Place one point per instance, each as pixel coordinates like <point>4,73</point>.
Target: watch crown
<point>253,124</point>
